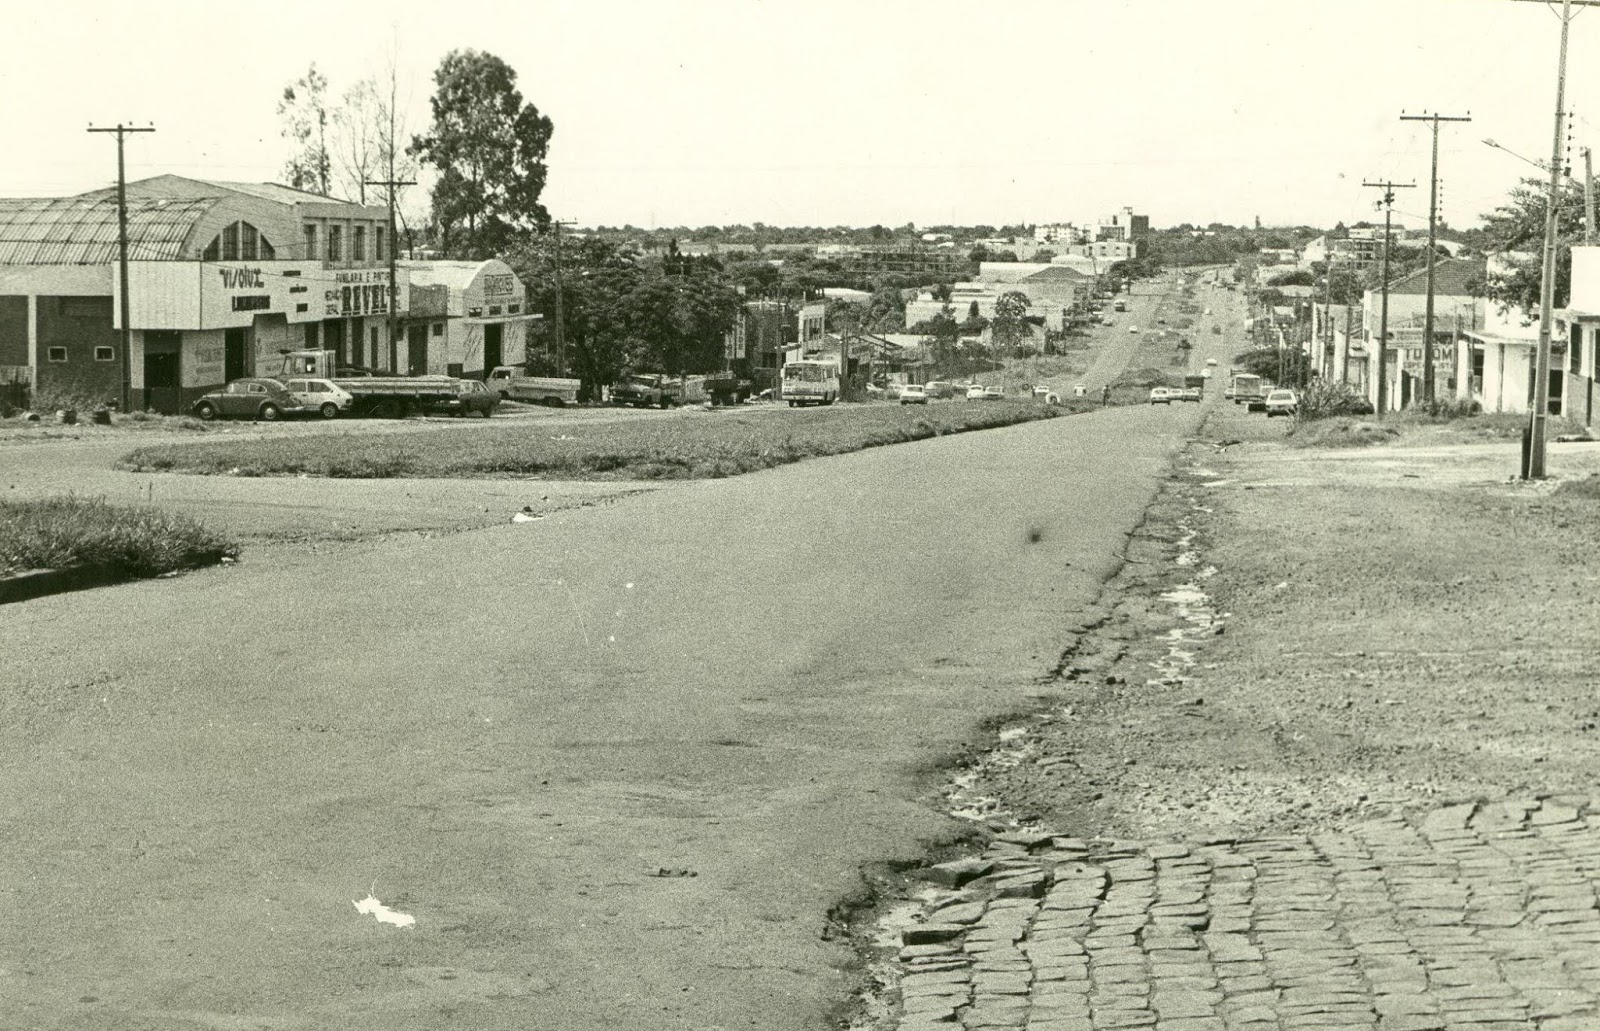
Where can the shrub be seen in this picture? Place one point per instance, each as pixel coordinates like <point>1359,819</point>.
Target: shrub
<point>70,532</point>
<point>1587,488</point>
<point>1326,399</point>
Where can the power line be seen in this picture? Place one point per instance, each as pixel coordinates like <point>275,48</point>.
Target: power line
<point>1433,223</point>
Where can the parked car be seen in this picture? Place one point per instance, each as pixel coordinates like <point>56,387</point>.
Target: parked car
<point>993,394</point>
<point>1161,395</point>
<point>1106,320</point>
<point>319,397</point>
<point>471,396</point>
<point>975,392</point>
<point>1189,394</point>
<point>1211,361</point>
<point>1040,390</point>
<point>1280,402</point>
<point>1133,329</point>
<point>939,389</point>
<point>264,399</point>
<point>913,394</point>
<point>874,390</point>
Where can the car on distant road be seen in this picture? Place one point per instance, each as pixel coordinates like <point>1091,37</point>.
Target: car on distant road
<point>913,394</point>
<point>993,394</point>
<point>939,389</point>
<point>251,398</point>
<point>1211,361</point>
<point>975,392</point>
<point>1188,394</point>
<point>1133,329</point>
<point>1280,402</point>
<point>471,396</point>
<point>1041,390</point>
<point>1161,395</point>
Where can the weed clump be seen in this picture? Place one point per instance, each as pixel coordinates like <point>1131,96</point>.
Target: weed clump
<point>72,532</point>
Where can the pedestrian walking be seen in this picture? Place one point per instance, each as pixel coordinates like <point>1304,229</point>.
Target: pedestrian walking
<point>1105,395</point>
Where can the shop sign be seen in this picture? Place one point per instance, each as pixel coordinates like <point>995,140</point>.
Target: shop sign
<point>357,292</point>
<point>215,295</point>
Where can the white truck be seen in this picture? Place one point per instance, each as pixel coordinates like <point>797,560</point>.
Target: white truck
<point>383,396</point>
<point>514,384</point>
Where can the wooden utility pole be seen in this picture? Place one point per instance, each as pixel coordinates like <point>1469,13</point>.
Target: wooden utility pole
<point>390,184</point>
<point>1387,203</point>
<point>1533,466</point>
<point>561,322</point>
<point>122,258</point>
<point>1433,221</point>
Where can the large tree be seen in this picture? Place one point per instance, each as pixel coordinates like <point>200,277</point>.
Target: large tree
<point>1010,322</point>
<point>303,107</point>
<point>1516,228</point>
<point>677,323</point>
<point>488,147</point>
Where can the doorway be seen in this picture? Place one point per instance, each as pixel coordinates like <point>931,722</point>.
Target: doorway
<point>162,372</point>
<point>491,347</point>
<point>233,355</point>
<point>416,349</point>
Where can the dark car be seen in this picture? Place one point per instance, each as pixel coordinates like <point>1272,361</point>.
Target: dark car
<point>471,396</point>
<point>264,399</point>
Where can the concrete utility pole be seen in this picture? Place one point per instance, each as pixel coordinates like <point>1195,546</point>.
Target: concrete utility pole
<point>1433,220</point>
<point>1387,204</point>
<point>1588,197</point>
<point>1534,464</point>
<point>390,184</point>
<point>122,258</point>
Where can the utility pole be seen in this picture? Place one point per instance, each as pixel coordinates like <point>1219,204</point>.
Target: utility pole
<point>561,326</point>
<point>1588,197</point>
<point>122,258</point>
<point>1387,203</point>
<point>394,246</point>
<point>1534,462</point>
<point>1433,219</point>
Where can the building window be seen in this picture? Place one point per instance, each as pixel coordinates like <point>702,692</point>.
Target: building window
<point>335,243</point>
<point>438,329</point>
<point>239,241</point>
<point>311,242</point>
<point>374,336</point>
<point>358,244</point>
<point>105,354</point>
<point>377,244</point>
<point>56,354</point>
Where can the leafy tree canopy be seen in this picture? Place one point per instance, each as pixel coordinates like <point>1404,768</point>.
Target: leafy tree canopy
<point>488,146</point>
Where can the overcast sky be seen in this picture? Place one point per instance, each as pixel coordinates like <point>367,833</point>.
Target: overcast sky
<point>687,112</point>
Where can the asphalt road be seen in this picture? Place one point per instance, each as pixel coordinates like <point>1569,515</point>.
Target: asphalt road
<point>504,732</point>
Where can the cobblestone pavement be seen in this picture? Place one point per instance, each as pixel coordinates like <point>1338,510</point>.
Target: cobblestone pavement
<point>1467,918</point>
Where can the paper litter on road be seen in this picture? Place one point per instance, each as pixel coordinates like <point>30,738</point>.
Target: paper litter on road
<point>383,913</point>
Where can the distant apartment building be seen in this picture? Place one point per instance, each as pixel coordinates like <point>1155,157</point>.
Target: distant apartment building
<point>1060,233</point>
<point>1123,225</point>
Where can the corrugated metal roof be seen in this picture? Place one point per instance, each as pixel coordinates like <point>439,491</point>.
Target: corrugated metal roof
<point>457,275</point>
<point>83,230</point>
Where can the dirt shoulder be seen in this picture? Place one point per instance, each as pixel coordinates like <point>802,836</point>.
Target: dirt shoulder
<point>1309,635</point>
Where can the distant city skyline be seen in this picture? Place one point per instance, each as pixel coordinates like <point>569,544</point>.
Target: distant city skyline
<point>720,112</point>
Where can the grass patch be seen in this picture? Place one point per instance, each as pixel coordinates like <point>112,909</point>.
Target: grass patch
<point>1586,489</point>
<point>70,532</point>
<point>648,449</point>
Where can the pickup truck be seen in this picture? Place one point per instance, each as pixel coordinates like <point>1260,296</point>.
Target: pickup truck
<point>514,384</point>
<point>643,391</point>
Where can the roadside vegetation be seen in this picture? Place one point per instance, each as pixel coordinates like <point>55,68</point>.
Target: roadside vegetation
<point>669,448</point>
<point>88,533</point>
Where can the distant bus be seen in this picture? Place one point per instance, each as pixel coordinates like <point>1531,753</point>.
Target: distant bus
<point>1245,387</point>
<point>810,381</point>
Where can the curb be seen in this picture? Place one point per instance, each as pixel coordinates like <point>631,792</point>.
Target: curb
<point>38,583</point>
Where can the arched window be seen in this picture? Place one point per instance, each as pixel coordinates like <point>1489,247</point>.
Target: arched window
<point>239,241</point>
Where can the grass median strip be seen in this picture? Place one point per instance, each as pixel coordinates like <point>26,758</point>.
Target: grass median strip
<point>685,447</point>
<point>88,533</point>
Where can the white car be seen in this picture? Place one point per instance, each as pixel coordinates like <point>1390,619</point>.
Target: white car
<point>975,392</point>
<point>913,394</point>
<point>1211,361</point>
<point>1133,329</point>
<point>1280,402</point>
<point>1161,396</point>
<point>319,397</point>
<point>1040,390</point>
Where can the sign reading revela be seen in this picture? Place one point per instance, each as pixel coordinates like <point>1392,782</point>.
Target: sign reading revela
<point>357,292</point>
